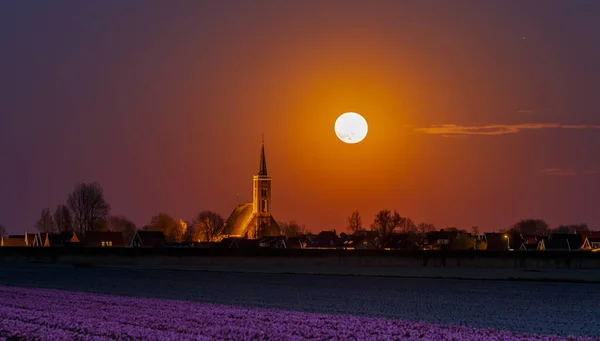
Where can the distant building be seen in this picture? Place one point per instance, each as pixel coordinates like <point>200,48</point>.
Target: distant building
<point>148,239</point>
<point>254,220</point>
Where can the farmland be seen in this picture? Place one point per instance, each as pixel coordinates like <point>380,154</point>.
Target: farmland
<point>521,307</point>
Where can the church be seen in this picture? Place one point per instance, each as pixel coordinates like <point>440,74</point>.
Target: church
<point>254,220</point>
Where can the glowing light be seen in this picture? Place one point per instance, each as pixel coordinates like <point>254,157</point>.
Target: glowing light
<point>351,127</point>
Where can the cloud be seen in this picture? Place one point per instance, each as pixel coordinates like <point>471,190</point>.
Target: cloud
<point>497,129</point>
<point>559,171</point>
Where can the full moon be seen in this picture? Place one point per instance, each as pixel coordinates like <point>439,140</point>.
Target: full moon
<point>350,127</point>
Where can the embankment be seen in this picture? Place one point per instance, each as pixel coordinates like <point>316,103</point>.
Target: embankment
<point>545,265</point>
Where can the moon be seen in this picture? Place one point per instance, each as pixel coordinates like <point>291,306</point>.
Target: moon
<point>351,127</point>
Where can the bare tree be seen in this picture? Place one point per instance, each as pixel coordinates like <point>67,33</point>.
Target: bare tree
<point>355,222</point>
<point>63,220</point>
<point>88,206</point>
<point>3,231</point>
<point>531,227</point>
<point>475,230</point>
<point>45,223</point>
<point>425,228</point>
<point>407,225</point>
<point>291,228</point>
<point>571,228</point>
<point>166,224</point>
<point>385,222</point>
<point>123,225</point>
<point>208,225</point>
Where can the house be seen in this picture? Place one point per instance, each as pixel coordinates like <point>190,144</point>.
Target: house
<point>238,243</point>
<point>104,239</point>
<point>496,241</point>
<point>325,239</point>
<point>575,241</point>
<point>14,240</point>
<point>594,243</point>
<point>555,244</point>
<point>532,246</point>
<point>148,239</point>
<point>358,243</point>
<point>58,239</point>
<point>401,241</point>
<point>296,243</point>
<point>277,242</point>
<point>254,220</point>
<point>33,239</point>
<point>440,240</point>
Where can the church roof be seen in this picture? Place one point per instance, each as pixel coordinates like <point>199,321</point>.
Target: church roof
<point>236,224</point>
<point>263,162</point>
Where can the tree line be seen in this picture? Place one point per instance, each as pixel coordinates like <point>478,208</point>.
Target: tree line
<point>87,210</point>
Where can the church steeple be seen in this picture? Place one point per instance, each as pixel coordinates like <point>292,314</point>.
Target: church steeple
<point>263,161</point>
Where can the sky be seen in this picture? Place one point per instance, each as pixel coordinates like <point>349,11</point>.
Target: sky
<point>480,113</point>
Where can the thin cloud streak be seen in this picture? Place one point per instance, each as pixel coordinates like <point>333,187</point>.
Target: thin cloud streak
<point>497,129</point>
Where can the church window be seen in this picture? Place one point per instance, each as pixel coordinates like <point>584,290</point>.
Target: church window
<point>264,205</point>
<point>263,192</point>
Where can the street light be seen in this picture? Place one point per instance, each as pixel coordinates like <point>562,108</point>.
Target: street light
<point>507,241</point>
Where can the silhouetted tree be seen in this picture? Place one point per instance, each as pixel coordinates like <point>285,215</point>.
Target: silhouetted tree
<point>385,222</point>
<point>3,231</point>
<point>208,225</point>
<point>475,230</point>
<point>88,206</point>
<point>531,227</point>
<point>571,228</point>
<point>425,228</point>
<point>45,223</point>
<point>463,242</point>
<point>406,225</point>
<point>166,224</point>
<point>355,223</point>
<point>291,228</point>
<point>481,245</point>
<point>123,225</point>
<point>63,220</point>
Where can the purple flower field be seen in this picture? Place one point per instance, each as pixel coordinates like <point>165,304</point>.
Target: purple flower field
<point>42,314</point>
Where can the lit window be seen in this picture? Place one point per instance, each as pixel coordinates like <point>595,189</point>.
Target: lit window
<point>109,243</point>
<point>103,244</point>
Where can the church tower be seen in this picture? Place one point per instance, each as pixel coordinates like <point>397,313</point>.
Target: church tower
<point>254,220</point>
<point>261,197</point>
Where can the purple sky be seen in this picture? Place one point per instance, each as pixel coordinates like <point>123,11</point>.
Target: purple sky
<point>164,102</point>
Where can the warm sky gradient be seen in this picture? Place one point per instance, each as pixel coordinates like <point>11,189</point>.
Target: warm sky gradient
<point>480,112</point>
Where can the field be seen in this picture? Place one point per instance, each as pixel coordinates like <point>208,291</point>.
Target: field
<point>515,307</point>
<point>43,314</point>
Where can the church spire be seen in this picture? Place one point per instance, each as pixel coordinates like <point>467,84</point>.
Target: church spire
<point>263,162</point>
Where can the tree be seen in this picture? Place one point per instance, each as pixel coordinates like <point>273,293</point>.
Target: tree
<point>385,222</point>
<point>165,224</point>
<point>481,245</point>
<point>180,231</point>
<point>406,225</point>
<point>208,225</point>
<point>123,225</point>
<point>571,228</point>
<point>355,222</point>
<point>3,231</point>
<point>45,223</point>
<point>291,228</point>
<point>88,206</point>
<point>425,228</point>
<point>63,220</point>
<point>463,242</point>
<point>475,230</point>
<point>531,227</point>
